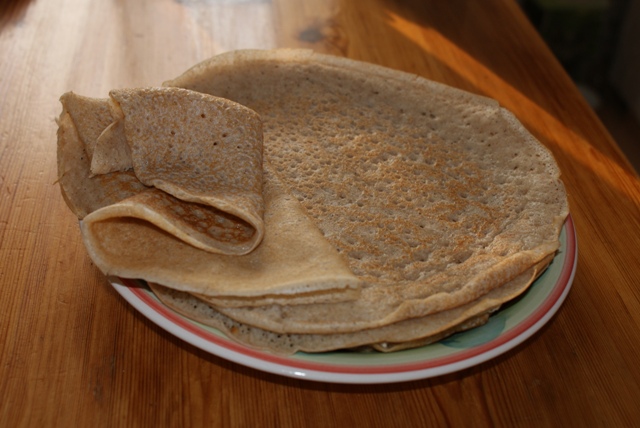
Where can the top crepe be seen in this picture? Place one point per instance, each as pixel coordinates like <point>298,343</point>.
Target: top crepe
<point>434,196</point>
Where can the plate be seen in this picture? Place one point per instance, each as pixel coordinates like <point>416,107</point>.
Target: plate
<point>515,322</point>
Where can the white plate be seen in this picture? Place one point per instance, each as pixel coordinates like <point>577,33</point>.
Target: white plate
<point>507,328</point>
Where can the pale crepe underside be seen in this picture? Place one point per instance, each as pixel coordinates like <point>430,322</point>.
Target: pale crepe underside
<point>292,258</point>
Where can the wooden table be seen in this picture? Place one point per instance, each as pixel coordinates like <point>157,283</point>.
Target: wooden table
<point>74,353</point>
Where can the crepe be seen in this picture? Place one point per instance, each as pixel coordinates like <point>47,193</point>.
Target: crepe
<point>433,195</point>
<point>395,210</point>
<point>172,191</point>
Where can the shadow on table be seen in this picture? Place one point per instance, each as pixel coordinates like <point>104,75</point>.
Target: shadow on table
<point>318,386</point>
<point>12,11</point>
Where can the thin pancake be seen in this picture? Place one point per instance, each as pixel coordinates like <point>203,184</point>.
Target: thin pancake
<point>434,196</point>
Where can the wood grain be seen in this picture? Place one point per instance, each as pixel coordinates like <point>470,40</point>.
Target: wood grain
<point>73,353</point>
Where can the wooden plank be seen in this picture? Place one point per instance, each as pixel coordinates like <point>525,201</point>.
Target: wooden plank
<point>73,353</point>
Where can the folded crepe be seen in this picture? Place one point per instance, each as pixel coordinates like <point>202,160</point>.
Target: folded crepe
<point>207,196</point>
<point>189,199</point>
<point>396,210</point>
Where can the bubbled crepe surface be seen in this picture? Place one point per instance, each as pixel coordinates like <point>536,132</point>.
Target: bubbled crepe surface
<point>433,196</point>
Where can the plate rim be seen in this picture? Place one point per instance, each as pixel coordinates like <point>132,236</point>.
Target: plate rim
<point>190,332</point>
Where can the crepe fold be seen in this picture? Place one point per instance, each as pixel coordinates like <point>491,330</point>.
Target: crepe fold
<point>438,199</point>
<point>198,168</point>
<point>168,184</point>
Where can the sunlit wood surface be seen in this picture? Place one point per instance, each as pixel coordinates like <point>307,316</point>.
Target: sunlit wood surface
<point>74,353</point>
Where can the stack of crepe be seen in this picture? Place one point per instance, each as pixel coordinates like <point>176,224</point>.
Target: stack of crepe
<point>304,202</point>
